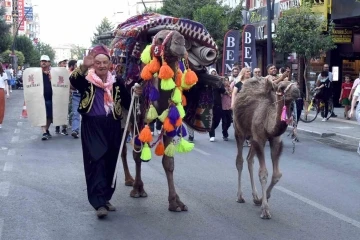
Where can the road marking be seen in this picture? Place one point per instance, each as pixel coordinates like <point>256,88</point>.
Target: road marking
<point>201,151</point>
<point>11,152</point>
<point>4,189</point>
<point>4,148</point>
<point>320,207</point>
<point>347,136</point>
<point>20,124</point>
<point>1,226</point>
<point>15,139</point>
<point>344,127</point>
<point>17,130</point>
<point>8,167</point>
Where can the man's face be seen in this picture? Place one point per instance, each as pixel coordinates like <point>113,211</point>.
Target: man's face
<point>44,64</point>
<point>63,64</point>
<point>257,72</point>
<point>235,72</point>
<point>272,70</point>
<point>326,67</point>
<point>213,72</point>
<point>101,64</point>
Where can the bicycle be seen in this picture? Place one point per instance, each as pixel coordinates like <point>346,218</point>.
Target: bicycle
<point>312,108</point>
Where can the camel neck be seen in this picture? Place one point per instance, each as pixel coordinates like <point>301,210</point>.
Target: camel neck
<point>280,126</point>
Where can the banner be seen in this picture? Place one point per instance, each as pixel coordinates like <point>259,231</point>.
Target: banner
<point>249,47</point>
<point>231,50</point>
<point>21,15</point>
<point>29,14</point>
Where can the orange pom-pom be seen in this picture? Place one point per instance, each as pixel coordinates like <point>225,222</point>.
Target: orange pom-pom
<point>154,65</point>
<point>178,122</point>
<point>178,78</point>
<point>146,74</point>
<point>190,77</point>
<point>165,71</point>
<point>183,100</point>
<point>145,135</point>
<point>168,126</point>
<point>160,149</point>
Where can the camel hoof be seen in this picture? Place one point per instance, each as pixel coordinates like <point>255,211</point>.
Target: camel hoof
<point>134,194</point>
<point>185,208</point>
<point>265,214</point>
<point>129,183</point>
<point>257,201</point>
<point>143,194</point>
<point>240,200</point>
<point>174,209</point>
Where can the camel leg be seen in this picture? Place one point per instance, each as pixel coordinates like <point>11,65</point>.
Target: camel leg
<point>175,203</point>
<point>239,165</point>
<point>263,175</point>
<point>276,146</point>
<point>129,181</point>
<point>250,161</point>
<point>138,186</point>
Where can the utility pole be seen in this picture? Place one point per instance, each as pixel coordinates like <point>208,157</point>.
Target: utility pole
<point>270,17</point>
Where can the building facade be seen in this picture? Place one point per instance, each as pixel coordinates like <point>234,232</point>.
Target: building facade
<point>62,52</point>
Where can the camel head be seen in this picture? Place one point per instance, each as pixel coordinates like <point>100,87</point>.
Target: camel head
<point>289,90</point>
<point>174,43</point>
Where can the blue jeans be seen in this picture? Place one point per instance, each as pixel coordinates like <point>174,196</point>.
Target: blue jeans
<point>75,114</point>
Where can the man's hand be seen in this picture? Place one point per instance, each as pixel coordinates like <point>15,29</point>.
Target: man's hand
<point>138,90</point>
<point>88,60</point>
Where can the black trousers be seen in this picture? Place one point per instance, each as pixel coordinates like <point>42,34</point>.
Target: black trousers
<point>226,120</point>
<point>157,123</point>
<point>217,112</point>
<point>100,139</point>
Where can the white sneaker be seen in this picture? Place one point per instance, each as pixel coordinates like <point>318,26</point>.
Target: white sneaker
<point>158,132</point>
<point>212,139</point>
<point>324,120</point>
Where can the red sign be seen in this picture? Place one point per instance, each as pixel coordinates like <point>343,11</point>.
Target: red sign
<point>7,3</point>
<point>21,14</point>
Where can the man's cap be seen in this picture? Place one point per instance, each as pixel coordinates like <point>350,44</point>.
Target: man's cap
<point>100,49</point>
<point>45,58</point>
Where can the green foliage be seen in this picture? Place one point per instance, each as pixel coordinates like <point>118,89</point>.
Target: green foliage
<point>25,45</point>
<point>299,30</point>
<point>5,42</point>
<point>77,52</point>
<point>105,26</point>
<point>7,58</point>
<point>5,37</point>
<point>184,8</point>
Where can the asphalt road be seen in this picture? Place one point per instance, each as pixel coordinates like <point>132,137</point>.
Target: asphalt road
<point>43,192</point>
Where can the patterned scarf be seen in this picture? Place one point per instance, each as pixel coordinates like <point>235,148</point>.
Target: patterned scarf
<point>107,87</point>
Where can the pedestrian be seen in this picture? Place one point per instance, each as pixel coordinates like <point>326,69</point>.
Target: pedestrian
<point>10,74</point>
<point>226,117</point>
<point>324,85</point>
<point>3,91</point>
<point>101,111</point>
<point>257,72</point>
<point>355,84</point>
<point>234,77</point>
<point>357,112</point>
<point>326,68</point>
<point>63,63</point>
<point>75,101</point>
<point>344,95</point>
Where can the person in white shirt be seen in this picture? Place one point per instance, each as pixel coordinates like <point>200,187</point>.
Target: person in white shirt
<point>3,91</point>
<point>355,84</point>
<point>357,111</point>
<point>326,68</point>
<point>10,74</point>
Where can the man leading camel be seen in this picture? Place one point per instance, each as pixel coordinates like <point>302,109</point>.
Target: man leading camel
<point>272,74</point>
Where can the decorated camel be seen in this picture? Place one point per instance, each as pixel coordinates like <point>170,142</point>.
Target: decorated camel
<point>262,111</point>
<point>167,56</point>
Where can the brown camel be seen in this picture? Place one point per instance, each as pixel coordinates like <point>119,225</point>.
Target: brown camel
<point>258,114</point>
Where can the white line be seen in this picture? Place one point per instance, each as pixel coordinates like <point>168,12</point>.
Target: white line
<point>19,124</point>
<point>17,130</point>
<point>15,139</point>
<point>320,207</point>
<point>4,189</point>
<point>8,167</point>
<point>1,227</point>
<point>201,151</point>
<point>347,136</point>
<point>11,152</point>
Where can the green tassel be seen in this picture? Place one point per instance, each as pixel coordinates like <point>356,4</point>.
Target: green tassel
<point>181,110</point>
<point>163,115</point>
<point>146,55</point>
<point>183,84</point>
<point>184,146</point>
<point>170,150</point>
<point>145,153</point>
<point>151,113</point>
<point>176,96</point>
<point>167,84</point>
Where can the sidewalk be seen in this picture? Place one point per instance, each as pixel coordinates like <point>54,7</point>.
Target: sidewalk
<point>347,129</point>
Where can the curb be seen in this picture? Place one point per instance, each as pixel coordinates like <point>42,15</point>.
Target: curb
<point>313,133</point>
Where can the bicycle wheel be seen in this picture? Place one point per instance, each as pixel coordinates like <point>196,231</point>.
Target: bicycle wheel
<point>309,113</point>
<point>331,110</point>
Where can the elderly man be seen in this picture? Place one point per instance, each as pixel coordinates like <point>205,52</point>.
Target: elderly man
<point>101,110</point>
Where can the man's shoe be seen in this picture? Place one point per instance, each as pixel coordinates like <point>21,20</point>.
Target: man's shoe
<point>48,133</point>
<point>101,212</point>
<point>191,139</point>
<point>110,207</point>
<point>45,136</point>
<point>64,132</point>
<point>75,134</point>
<point>226,139</point>
<point>57,130</point>
<point>212,139</point>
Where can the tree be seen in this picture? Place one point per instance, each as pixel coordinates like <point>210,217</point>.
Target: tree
<point>77,52</point>
<point>5,37</point>
<point>7,58</point>
<point>299,30</point>
<point>45,49</point>
<point>184,8</point>
<point>25,45</point>
<point>104,27</point>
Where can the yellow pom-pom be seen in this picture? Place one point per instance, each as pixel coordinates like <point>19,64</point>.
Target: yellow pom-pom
<point>170,150</point>
<point>146,55</point>
<point>145,153</point>
<point>181,110</point>
<point>151,113</point>
<point>176,96</point>
<point>163,115</point>
<point>184,146</point>
<point>167,84</point>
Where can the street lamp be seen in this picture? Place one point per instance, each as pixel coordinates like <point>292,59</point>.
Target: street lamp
<point>270,16</point>
<point>15,35</point>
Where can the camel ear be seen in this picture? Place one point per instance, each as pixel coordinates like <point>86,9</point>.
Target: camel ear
<point>270,85</point>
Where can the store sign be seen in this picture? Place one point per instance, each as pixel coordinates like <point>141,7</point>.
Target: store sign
<point>21,14</point>
<point>8,4</point>
<point>342,35</point>
<point>8,18</point>
<point>249,47</point>
<point>29,13</point>
<point>287,4</point>
<point>230,50</point>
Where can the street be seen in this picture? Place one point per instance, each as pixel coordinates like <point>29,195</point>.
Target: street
<point>43,191</point>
